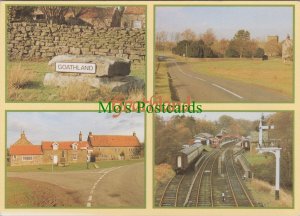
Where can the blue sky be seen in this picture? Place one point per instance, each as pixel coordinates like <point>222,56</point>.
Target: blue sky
<point>65,126</point>
<point>226,21</point>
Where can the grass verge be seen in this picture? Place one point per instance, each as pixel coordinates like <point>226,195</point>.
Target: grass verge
<point>24,193</point>
<point>71,167</point>
<point>162,87</point>
<point>265,194</point>
<point>25,84</point>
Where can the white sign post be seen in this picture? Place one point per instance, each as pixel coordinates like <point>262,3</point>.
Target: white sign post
<point>274,150</point>
<point>72,67</point>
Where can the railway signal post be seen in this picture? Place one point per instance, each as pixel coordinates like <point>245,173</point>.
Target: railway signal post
<point>274,150</point>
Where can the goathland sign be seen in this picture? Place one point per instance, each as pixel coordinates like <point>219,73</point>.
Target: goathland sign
<point>75,67</point>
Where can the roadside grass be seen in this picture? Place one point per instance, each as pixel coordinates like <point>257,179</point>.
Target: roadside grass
<point>25,193</point>
<point>272,74</point>
<point>264,193</point>
<point>31,88</point>
<point>71,167</point>
<point>162,87</point>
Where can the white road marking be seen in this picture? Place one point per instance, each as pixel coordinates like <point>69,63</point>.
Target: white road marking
<point>104,172</point>
<point>213,84</point>
<point>220,87</point>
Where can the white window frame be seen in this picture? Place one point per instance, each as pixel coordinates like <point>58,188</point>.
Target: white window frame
<point>137,24</point>
<point>55,146</point>
<point>75,146</point>
<point>29,158</point>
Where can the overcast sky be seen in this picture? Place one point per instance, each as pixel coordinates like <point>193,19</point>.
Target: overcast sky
<point>65,126</point>
<point>226,21</point>
<point>214,116</point>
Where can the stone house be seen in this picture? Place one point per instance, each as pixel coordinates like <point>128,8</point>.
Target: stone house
<point>64,152</point>
<point>97,147</point>
<point>24,152</point>
<point>134,17</point>
<point>112,147</point>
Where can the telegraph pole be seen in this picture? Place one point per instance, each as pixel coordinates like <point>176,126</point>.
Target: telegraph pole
<point>273,150</point>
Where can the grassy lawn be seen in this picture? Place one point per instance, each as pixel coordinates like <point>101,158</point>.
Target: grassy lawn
<point>162,81</point>
<point>272,74</point>
<point>25,84</point>
<point>71,167</point>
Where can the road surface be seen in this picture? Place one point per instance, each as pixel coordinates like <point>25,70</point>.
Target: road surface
<point>112,187</point>
<point>204,88</point>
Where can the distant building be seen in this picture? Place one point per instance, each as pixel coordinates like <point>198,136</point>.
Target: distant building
<point>287,49</point>
<point>274,38</point>
<point>97,147</point>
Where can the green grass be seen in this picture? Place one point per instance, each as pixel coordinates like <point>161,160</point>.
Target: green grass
<point>71,167</point>
<point>272,74</point>
<point>35,91</point>
<point>162,81</point>
<point>258,159</point>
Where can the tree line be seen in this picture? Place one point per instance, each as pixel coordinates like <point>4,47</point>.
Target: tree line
<point>171,134</point>
<point>206,45</point>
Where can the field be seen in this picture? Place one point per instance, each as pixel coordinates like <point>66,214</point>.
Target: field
<point>25,84</point>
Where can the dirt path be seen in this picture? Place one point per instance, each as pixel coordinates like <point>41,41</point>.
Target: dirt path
<point>112,187</point>
<point>205,88</point>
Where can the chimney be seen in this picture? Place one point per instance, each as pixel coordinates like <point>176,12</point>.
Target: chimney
<point>23,135</point>
<point>80,136</point>
<point>133,134</point>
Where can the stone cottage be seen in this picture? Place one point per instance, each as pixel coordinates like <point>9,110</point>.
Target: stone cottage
<point>23,152</point>
<point>97,147</point>
<point>118,147</point>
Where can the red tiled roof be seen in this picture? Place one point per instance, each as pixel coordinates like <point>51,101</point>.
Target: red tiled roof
<point>134,10</point>
<point>114,141</point>
<point>63,145</point>
<point>25,150</point>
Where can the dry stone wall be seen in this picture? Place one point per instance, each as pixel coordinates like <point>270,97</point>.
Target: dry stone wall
<point>44,41</point>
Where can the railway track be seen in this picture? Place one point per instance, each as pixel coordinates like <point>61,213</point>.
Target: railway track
<point>201,189</point>
<point>239,192</point>
<point>171,191</point>
<point>204,187</point>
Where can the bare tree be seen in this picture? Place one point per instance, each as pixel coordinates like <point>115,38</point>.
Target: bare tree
<point>54,14</point>
<point>161,39</point>
<point>188,34</point>
<point>208,37</point>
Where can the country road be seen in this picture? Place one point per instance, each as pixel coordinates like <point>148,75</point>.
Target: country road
<point>204,88</point>
<point>112,187</point>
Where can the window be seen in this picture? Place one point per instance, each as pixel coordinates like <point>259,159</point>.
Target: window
<point>137,24</point>
<point>74,156</point>
<point>27,158</point>
<point>74,146</point>
<point>55,146</point>
<point>14,157</point>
